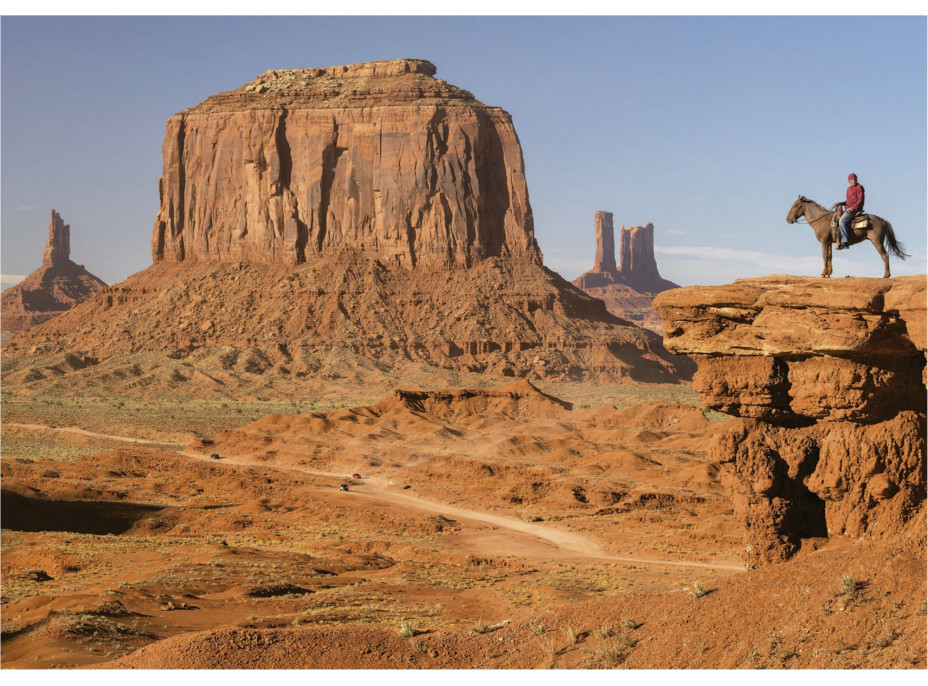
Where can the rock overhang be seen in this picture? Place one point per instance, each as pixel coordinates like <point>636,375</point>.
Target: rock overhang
<point>827,378</point>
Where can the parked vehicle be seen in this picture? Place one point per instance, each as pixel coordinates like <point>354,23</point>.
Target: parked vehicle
<point>215,456</point>
<point>344,487</point>
<point>355,476</point>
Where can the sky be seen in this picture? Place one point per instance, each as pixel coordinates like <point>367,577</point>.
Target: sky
<point>707,126</point>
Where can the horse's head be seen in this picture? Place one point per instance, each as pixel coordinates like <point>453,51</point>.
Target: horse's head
<point>796,211</point>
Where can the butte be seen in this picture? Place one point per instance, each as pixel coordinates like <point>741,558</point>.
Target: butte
<point>327,226</point>
<point>628,288</point>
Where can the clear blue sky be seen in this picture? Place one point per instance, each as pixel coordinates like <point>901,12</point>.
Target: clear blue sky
<point>707,126</point>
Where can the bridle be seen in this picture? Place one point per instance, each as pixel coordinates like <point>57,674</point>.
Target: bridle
<point>802,204</point>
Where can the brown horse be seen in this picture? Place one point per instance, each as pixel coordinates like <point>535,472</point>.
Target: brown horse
<point>878,230</point>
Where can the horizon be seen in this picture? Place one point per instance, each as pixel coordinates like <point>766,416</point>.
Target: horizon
<point>685,122</point>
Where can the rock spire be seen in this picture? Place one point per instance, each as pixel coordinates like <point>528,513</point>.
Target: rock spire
<point>57,251</point>
<point>56,286</point>
<point>605,243</point>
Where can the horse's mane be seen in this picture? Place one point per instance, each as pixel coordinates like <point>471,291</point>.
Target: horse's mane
<point>809,200</point>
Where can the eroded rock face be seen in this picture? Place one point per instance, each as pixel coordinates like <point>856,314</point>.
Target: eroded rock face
<point>829,380</point>
<point>629,287</point>
<point>380,158</point>
<point>55,287</point>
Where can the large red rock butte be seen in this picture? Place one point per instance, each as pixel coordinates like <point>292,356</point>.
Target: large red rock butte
<point>58,285</point>
<point>828,378</point>
<point>378,157</point>
<point>629,287</point>
<point>314,216</point>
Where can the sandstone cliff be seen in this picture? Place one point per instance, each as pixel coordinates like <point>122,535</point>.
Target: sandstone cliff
<point>829,380</point>
<point>380,158</point>
<point>53,288</point>
<point>629,287</point>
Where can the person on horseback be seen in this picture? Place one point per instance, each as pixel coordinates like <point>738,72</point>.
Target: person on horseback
<point>853,205</point>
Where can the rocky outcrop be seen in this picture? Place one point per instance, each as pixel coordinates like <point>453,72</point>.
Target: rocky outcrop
<point>55,287</point>
<point>828,378</point>
<point>629,288</point>
<point>379,158</point>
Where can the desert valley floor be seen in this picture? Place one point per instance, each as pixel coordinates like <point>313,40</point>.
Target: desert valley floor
<point>494,528</point>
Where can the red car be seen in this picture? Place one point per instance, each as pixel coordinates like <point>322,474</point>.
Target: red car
<point>355,476</point>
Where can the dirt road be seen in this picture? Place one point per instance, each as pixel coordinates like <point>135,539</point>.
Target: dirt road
<point>93,434</point>
<point>375,489</point>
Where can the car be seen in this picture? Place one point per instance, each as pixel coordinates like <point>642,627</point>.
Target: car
<point>344,487</point>
<point>215,456</point>
<point>355,476</point>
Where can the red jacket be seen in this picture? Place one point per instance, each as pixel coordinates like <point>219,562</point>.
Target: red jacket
<point>855,199</point>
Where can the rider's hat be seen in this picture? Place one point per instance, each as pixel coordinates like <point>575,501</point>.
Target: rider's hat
<point>852,177</point>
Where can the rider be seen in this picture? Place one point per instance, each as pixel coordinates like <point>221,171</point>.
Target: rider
<point>852,207</point>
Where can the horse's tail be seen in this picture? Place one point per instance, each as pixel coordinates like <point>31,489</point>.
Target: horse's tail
<point>889,240</point>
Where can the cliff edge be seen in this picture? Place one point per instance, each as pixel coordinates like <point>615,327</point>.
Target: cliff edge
<point>828,380</point>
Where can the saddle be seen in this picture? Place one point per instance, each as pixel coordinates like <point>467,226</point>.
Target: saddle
<point>860,223</point>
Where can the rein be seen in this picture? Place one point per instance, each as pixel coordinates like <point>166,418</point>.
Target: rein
<point>827,213</point>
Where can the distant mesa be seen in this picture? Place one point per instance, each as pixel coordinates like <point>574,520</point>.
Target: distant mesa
<point>56,286</point>
<point>332,220</point>
<point>629,288</point>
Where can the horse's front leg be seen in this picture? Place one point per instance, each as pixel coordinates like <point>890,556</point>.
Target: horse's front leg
<point>826,259</point>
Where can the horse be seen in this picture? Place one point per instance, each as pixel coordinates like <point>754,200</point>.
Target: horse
<point>878,230</point>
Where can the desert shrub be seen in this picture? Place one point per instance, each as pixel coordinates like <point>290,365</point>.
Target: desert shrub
<point>407,629</point>
<point>697,591</point>
<point>572,635</point>
<point>611,654</point>
<point>849,586</point>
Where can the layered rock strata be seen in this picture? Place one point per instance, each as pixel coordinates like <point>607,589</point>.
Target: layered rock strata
<point>379,158</point>
<point>629,287</point>
<point>828,380</point>
<point>55,287</point>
